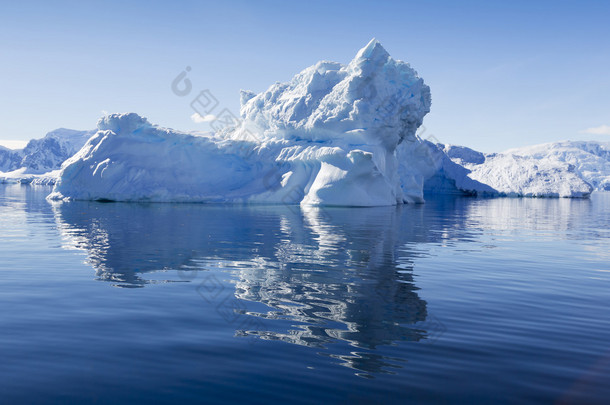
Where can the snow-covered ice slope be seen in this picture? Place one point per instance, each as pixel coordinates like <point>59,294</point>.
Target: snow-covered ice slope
<point>515,175</point>
<point>590,159</point>
<point>41,159</point>
<point>9,159</point>
<point>329,136</point>
<point>549,170</point>
<point>48,153</point>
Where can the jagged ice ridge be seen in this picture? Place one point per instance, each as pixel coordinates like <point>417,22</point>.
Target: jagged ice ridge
<point>329,136</point>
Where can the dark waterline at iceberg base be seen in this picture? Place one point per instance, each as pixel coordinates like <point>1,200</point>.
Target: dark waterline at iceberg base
<point>459,300</point>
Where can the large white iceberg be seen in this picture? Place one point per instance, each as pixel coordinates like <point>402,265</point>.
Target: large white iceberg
<point>334,135</point>
<point>329,136</point>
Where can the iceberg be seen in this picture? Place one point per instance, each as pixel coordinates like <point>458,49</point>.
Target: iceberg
<point>520,176</point>
<point>589,159</point>
<point>564,169</point>
<point>451,177</point>
<point>333,135</point>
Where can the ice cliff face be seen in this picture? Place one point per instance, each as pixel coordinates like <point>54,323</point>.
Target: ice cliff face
<point>329,136</point>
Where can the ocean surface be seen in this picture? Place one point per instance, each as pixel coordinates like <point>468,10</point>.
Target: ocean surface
<point>459,300</point>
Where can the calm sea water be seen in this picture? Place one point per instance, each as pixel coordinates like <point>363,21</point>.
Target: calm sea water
<point>459,300</point>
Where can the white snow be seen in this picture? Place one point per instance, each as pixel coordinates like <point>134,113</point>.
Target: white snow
<point>564,169</point>
<point>515,175</point>
<point>10,159</point>
<point>590,159</point>
<point>329,136</point>
<point>23,177</point>
<point>40,160</point>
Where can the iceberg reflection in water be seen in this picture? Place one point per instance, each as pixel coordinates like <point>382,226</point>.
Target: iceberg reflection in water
<point>329,273</point>
<point>457,300</point>
<point>324,275</point>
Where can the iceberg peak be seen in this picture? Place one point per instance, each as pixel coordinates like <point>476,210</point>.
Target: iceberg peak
<point>122,123</point>
<point>373,50</point>
<point>375,99</point>
<point>245,96</point>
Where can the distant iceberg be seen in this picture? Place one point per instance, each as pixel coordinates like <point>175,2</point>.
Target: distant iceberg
<point>590,160</point>
<point>330,136</point>
<point>559,169</point>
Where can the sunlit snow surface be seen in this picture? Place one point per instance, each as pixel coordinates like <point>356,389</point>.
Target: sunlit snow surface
<point>329,136</point>
<point>559,169</point>
<point>591,160</point>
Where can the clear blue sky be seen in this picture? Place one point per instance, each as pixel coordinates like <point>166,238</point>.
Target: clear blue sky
<point>502,74</point>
